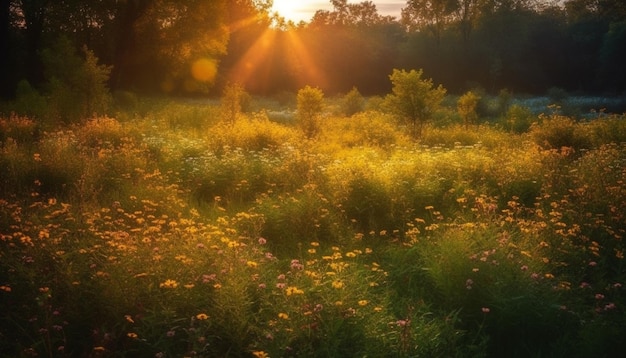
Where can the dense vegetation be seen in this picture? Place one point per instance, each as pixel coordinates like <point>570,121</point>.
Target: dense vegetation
<point>441,217</point>
<point>526,46</point>
<point>182,228</point>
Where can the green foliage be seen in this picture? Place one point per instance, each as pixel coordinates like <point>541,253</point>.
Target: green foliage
<point>518,119</point>
<point>76,87</point>
<point>352,102</point>
<point>310,105</point>
<point>234,98</point>
<point>29,102</point>
<point>466,106</point>
<point>413,99</point>
<point>556,132</point>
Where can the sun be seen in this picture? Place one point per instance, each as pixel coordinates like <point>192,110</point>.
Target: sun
<point>290,9</point>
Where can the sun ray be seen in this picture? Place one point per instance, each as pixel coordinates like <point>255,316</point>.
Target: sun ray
<point>277,57</point>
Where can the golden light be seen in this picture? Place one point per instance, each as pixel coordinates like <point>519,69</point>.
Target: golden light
<point>204,70</point>
<point>289,9</point>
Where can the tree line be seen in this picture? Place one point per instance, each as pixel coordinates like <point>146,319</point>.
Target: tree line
<point>198,46</point>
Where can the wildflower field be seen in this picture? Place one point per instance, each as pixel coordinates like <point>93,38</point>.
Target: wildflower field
<point>166,232</point>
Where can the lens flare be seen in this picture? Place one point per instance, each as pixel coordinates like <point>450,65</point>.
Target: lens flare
<point>204,70</point>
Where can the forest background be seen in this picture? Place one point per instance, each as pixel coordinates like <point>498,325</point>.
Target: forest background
<point>525,46</point>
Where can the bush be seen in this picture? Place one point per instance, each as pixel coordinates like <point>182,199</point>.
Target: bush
<point>352,103</point>
<point>466,106</point>
<point>556,132</point>
<point>76,86</point>
<point>518,119</point>
<point>413,99</point>
<point>310,106</point>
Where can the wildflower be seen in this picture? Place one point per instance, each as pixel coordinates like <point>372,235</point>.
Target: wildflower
<point>378,309</point>
<point>363,302</point>
<point>468,283</point>
<point>202,317</point>
<point>315,244</point>
<point>609,306</point>
<point>402,322</point>
<point>5,288</point>
<point>296,265</point>
<point>281,285</point>
<point>283,315</point>
<point>262,241</point>
<point>292,290</point>
<point>129,318</point>
<point>98,349</point>
<point>260,354</point>
<point>337,284</point>
<point>485,310</point>
<point>132,335</point>
<point>169,284</point>
<point>251,264</point>
<point>599,296</point>
<point>217,286</point>
<point>170,334</point>
<point>311,251</point>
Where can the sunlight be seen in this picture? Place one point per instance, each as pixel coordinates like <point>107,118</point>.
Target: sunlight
<point>257,68</point>
<point>290,9</point>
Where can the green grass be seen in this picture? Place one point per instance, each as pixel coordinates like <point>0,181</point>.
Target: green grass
<point>170,233</point>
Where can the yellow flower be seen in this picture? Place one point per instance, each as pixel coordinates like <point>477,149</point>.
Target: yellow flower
<point>169,284</point>
<point>201,316</point>
<point>311,251</point>
<point>292,290</point>
<point>260,354</point>
<point>132,335</point>
<point>337,284</point>
<point>283,315</point>
<point>251,264</point>
<point>363,302</point>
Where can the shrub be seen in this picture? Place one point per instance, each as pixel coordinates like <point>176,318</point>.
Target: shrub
<point>76,86</point>
<point>310,106</point>
<point>466,106</point>
<point>234,98</point>
<point>556,132</point>
<point>352,103</point>
<point>29,102</point>
<point>413,99</point>
<point>518,119</point>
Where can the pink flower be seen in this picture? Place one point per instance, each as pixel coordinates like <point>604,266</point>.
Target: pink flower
<point>599,296</point>
<point>609,306</point>
<point>402,323</point>
<point>262,241</point>
<point>485,309</point>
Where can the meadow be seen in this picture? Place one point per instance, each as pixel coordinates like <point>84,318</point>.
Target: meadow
<point>163,231</point>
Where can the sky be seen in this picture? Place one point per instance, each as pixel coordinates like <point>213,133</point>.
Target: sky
<point>303,10</point>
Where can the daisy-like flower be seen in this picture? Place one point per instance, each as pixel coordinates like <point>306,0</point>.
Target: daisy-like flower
<point>169,284</point>
<point>202,317</point>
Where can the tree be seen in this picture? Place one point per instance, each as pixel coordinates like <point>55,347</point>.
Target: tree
<point>414,99</point>
<point>466,106</point>
<point>309,108</point>
<point>430,15</point>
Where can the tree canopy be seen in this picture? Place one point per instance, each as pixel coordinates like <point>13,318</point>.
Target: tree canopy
<point>198,46</point>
